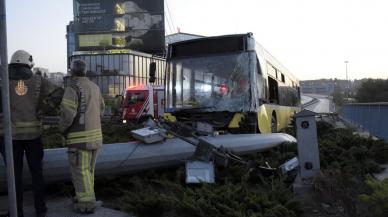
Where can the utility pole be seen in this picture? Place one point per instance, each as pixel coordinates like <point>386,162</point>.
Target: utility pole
<point>7,130</point>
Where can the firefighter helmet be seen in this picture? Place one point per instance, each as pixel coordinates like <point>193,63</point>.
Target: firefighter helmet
<point>22,57</point>
<point>78,68</point>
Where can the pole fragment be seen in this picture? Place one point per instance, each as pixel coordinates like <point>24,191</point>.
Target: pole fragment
<point>7,129</point>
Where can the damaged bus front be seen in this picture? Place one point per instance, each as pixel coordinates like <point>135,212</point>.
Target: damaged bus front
<point>218,84</point>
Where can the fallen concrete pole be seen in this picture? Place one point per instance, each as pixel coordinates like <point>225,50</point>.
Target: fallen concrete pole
<point>125,158</point>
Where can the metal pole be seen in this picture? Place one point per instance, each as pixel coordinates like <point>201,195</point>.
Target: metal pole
<point>347,83</point>
<point>6,111</point>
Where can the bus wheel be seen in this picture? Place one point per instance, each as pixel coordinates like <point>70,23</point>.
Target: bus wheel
<point>274,127</point>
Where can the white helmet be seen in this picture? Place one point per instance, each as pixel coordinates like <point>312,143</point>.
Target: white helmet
<point>22,57</point>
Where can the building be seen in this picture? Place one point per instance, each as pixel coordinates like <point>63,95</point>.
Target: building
<point>329,86</point>
<point>114,73</point>
<point>118,40</point>
<point>57,78</point>
<point>181,36</point>
<point>117,24</point>
<point>41,71</point>
<point>322,86</point>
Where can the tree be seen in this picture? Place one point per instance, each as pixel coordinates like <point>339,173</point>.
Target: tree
<point>338,98</point>
<point>373,90</point>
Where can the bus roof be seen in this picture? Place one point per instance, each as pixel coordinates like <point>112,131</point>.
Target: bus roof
<point>209,45</point>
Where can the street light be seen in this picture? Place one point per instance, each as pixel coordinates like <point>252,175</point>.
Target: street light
<point>347,81</point>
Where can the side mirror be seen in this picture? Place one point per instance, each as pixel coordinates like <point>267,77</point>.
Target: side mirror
<point>152,72</point>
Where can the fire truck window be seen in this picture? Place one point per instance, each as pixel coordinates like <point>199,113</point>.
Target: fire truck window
<point>134,98</point>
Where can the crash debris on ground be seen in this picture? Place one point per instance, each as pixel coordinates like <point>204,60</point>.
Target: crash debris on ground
<point>345,188</point>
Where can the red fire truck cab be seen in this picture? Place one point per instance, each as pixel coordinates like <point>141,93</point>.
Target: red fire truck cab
<point>138,103</point>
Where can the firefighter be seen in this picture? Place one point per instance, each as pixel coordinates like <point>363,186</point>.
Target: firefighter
<point>81,110</point>
<point>117,107</point>
<point>27,91</point>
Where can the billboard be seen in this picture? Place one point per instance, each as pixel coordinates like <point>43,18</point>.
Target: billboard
<point>151,42</point>
<point>93,7</point>
<point>135,24</point>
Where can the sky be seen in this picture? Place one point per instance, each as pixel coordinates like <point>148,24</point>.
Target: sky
<point>312,38</point>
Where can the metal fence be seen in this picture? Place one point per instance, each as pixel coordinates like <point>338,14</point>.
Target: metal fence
<point>371,116</point>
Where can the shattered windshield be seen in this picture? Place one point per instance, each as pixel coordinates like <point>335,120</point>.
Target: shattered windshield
<point>217,83</point>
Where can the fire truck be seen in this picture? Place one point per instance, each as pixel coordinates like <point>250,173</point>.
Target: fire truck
<point>138,104</point>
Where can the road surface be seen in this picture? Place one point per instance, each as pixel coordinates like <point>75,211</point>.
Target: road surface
<point>305,99</point>
<point>323,104</point>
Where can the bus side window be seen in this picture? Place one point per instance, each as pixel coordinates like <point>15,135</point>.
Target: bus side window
<point>273,91</point>
<point>265,91</point>
<point>258,66</point>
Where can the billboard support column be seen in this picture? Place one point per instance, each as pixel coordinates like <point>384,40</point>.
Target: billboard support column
<point>6,111</point>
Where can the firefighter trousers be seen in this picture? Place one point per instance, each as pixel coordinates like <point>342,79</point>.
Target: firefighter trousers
<point>82,165</point>
<point>34,154</point>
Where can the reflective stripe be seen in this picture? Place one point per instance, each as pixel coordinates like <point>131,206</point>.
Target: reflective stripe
<point>24,127</point>
<point>84,172</point>
<point>64,104</point>
<point>84,133</point>
<point>87,190</point>
<point>84,136</point>
<point>85,197</point>
<point>26,124</point>
<point>15,131</point>
<point>69,103</point>
<point>89,135</point>
<point>93,165</point>
<point>25,130</point>
<point>84,140</point>
<point>88,176</point>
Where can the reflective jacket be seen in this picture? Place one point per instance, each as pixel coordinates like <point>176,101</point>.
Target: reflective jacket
<point>27,93</point>
<point>81,110</point>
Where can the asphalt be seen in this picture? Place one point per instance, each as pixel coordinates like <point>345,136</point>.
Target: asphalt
<point>306,99</point>
<point>323,105</point>
<point>59,207</point>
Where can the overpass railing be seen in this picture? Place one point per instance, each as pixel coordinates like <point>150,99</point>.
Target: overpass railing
<point>371,116</point>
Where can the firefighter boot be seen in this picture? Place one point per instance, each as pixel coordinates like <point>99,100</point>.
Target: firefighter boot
<point>85,207</point>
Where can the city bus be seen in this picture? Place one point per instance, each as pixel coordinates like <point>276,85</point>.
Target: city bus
<point>229,84</point>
